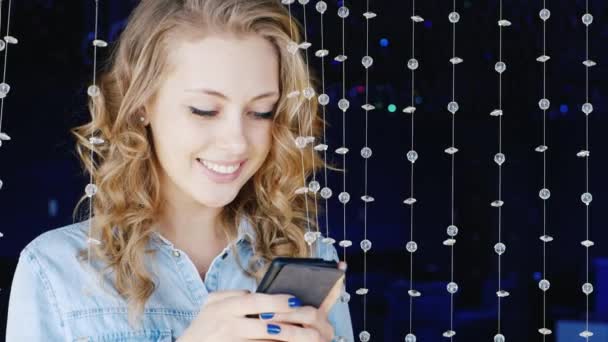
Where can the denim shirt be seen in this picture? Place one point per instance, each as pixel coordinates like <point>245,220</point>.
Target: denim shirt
<point>56,297</point>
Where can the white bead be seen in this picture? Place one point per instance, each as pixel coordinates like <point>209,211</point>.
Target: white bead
<point>544,104</point>
<point>587,108</point>
<point>544,194</point>
<point>310,237</point>
<point>504,23</point>
<point>499,338</point>
<point>544,14</point>
<point>587,288</point>
<point>369,15</point>
<point>365,245</point>
<point>367,61</point>
<point>90,190</point>
<point>4,90</point>
<point>366,152</point>
<point>367,198</point>
<point>344,197</point>
<point>544,285</point>
<point>345,243</point>
<point>586,334</point>
<point>410,338</point>
<point>452,287</point>
<point>11,40</point>
<point>544,331</point>
<point>500,67</point>
<point>417,18</point>
<point>323,99</point>
<point>342,150</point>
<point>303,2</point>
<point>413,64</point>
<point>308,93</point>
<point>456,60</point>
<point>2,45</point>
<point>586,198</point>
<point>96,141</point>
<point>364,336</point>
<point>543,58</point>
<point>340,58</point>
<point>321,7</point>
<point>343,104</point>
<point>499,158</point>
<point>453,107</point>
<point>411,246</point>
<point>100,43</point>
<point>500,248</point>
<point>412,156</point>
<point>587,19</point>
<point>454,17</point>
<point>343,12</point>
<point>326,193</point>
<point>93,91</point>
<point>449,333</point>
<point>321,53</point>
<point>452,230</point>
<point>300,142</point>
<point>314,186</point>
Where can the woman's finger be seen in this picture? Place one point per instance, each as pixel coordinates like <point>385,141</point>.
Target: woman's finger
<point>274,331</point>
<point>221,295</point>
<point>256,303</point>
<point>308,317</point>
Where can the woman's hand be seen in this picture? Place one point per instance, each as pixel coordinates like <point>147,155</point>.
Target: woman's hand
<point>222,318</point>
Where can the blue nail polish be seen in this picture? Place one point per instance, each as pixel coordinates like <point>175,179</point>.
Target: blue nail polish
<point>273,329</point>
<point>266,315</point>
<point>294,302</point>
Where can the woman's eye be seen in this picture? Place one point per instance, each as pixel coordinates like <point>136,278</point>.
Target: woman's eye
<point>264,115</point>
<point>202,112</point>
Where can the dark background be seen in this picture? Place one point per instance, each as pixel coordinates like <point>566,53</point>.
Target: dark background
<point>51,67</point>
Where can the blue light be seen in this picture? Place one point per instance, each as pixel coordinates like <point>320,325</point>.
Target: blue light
<point>537,276</point>
<point>384,42</point>
<point>418,100</point>
<point>563,108</point>
<point>428,24</point>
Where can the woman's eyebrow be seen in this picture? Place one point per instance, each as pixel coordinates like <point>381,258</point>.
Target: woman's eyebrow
<point>220,95</point>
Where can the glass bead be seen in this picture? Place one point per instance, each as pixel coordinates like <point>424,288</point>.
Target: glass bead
<point>504,23</point>
<point>343,12</point>
<point>321,53</point>
<point>303,2</point>
<point>343,104</point>
<point>411,246</point>
<point>544,331</point>
<point>368,107</point>
<point>453,107</point>
<point>500,248</point>
<point>409,109</point>
<point>2,45</point>
<point>456,60</point>
<point>310,237</point>
<point>497,203</point>
<point>499,158</point>
<point>4,89</point>
<point>340,339</point>
<point>586,334</point>
<point>586,198</point>
<point>90,190</point>
<point>544,14</point>
<point>544,285</point>
<point>417,18</point>
<point>367,61</point>
<point>326,193</point>
<point>499,338</point>
<point>308,93</point>
<point>100,43</point>
<point>496,112</point>
<point>500,67</point>
<point>301,142</point>
<point>362,291</point>
<point>323,99</point>
<point>449,333</point>
<point>587,243</point>
<point>287,2</point>
<point>452,287</point>
<point>410,201</point>
<point>369,15</point>
<point>454,17</point>
<point>342,150</point>
<point>328,241</point>
<point>587,108</point>
<point>310,139</point>
<point>11,40</point>
<point>541,148</point>
<point>340,58</point>
<point>314,186</point>
<point>587,19</point>
<point>414,293</point>
<point>304,45</point>
<point>366,152</point>
<point>449,242</point>
<point>292,47</point>
<point>502,294</point>
<point>452,230</point>
<point>544,104</point>
<point>344,197</point>
<point>587,288</point>
<point>546,238</point>
<point>589,63</point>
<point>367,198</point>
<point>345,243</point>
<point>544,194</point>
<point>543,58</point>
<point>366,245</point>
<point>1,184</point>
<point>412,64</point>
<point>321,7</point>
<point>93,91</point>
<point>412,156</point>
<point>321,147</point>
<point>364,336</point>
<point>410,338</point>
<point>451,150</point>
<point>96,141</point>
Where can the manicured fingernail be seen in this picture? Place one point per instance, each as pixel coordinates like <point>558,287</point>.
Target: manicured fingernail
<point>294,302</point>
<point>266,315</point>
<point>273,329</point>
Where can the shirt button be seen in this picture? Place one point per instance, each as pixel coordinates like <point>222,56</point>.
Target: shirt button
<point>176,253</point>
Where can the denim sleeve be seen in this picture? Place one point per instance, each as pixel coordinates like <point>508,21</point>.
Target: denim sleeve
<point>339,314</point>
<point>32,311</point>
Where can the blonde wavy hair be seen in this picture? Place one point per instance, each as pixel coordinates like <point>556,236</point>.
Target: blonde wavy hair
<point>126,169</point>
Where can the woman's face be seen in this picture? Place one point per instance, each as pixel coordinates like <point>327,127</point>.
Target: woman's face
<point>212,117</point>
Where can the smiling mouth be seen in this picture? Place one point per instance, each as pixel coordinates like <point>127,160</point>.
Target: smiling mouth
<point>223,169</point>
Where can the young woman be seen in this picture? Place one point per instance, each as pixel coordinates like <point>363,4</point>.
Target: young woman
<point>196,189</point>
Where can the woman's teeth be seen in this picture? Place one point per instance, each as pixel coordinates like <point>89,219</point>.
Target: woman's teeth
<point>223,169</point>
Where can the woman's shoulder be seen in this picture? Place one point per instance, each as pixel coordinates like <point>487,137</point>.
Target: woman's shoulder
<point>59,243</point>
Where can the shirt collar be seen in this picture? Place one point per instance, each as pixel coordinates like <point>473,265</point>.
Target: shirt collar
<point>245,233</point>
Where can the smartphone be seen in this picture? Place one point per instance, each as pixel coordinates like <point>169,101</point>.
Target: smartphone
<point>309,279</point>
